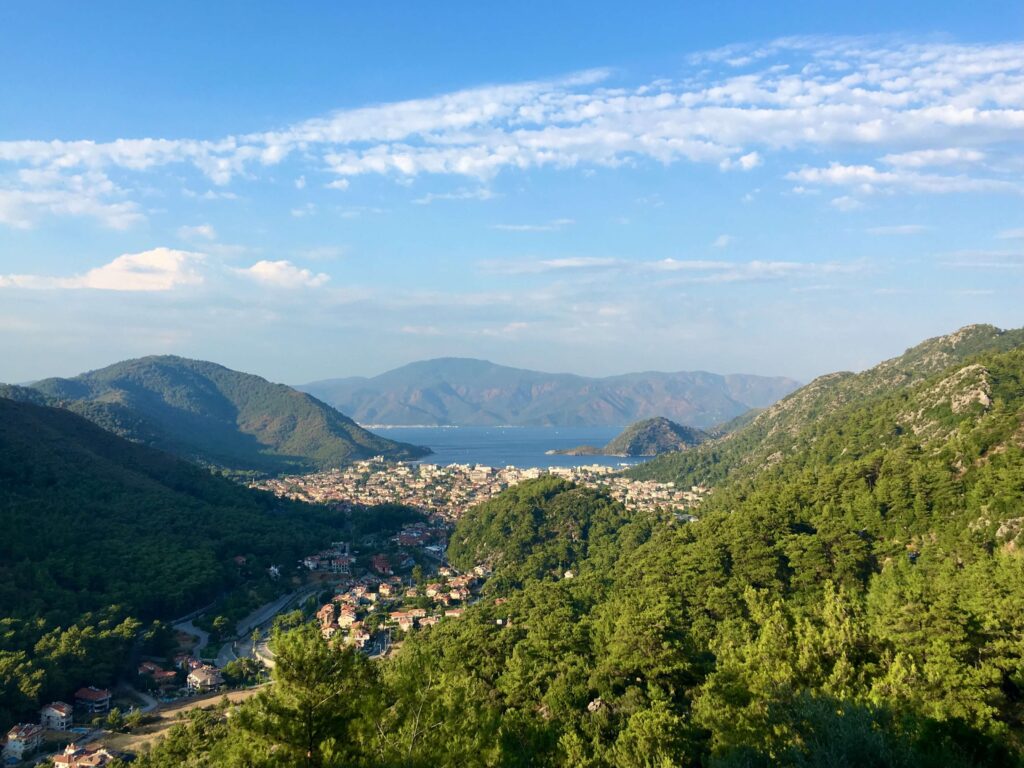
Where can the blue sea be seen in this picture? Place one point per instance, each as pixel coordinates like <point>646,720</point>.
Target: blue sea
<point>522,447</point>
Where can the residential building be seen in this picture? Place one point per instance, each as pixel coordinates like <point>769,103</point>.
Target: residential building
<point>205,679</point>
<point>75,756</point>
<point>56,716</point>
<point>93,700</point>
<point>23,739</point>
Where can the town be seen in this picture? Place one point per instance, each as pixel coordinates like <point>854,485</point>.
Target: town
<point>446,492</point>
<point>368,593</point>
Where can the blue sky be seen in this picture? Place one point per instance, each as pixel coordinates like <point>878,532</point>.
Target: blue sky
<point>318,189</point>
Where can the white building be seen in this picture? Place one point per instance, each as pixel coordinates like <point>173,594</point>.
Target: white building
<point>56,716</point>
<point>23,739</point>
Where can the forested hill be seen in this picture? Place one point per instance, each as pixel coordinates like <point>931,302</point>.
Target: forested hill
<point>786,427</point>
<point>463,391</point>
<point>857,603</point>
<point>650,437</point>
<point>91,520</point>
<point>208,413</point>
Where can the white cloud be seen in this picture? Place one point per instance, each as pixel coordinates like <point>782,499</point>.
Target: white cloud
<point>866,179</point>
<point>341,184</point>
<point>300,183</point>
<point>898,229</point>
<point>50,192</point>
<point>421,330</point>
<point>159,269</point>
<point>746,162</point>
<point>200,231</point>
<point>723,241</point>
<point>1011,234</point>
<point>460,194</point>
<point>284,274</point>
<point>845,203</point>
<point>681,270</point>
<point>551,226</point>
<point>925,105</point>
<point>931,157</point>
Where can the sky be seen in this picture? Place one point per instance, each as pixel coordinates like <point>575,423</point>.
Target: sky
<point>309,190</point>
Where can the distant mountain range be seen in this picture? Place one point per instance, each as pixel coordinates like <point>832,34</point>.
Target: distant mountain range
<point>793,424</point>
<point>208,413</point>
<point>650,437</point>
<point>468,392</point>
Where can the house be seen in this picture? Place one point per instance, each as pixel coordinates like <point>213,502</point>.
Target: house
<point>56,716</point>
<point>204,679</point>
<point>357,635</point>
<point>382,565</point>
<point>23,739</point>
<point>93,700</point>
<point>186,661</point>
<point>347,615</point>
<point>164,678</point>
<point>325,615</point>
<point>75,756</point>
<point>405,619</point>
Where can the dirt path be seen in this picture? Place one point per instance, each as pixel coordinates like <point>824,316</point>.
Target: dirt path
<point>166,716</point>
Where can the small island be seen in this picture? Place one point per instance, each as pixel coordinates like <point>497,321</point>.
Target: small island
<point>649,437</point>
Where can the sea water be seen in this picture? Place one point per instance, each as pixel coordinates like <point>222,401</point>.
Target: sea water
<point>523,447</point>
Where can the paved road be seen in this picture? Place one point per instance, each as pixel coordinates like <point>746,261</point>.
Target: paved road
<point>264,614</point>
<point>151,703</point>
<point>192,629</point>
<point>227,654</point>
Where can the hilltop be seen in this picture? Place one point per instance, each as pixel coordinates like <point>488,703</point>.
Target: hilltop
<point>468,392</point>
<point>205,412</point>
<point>788,426</point>
<point>649,437</point>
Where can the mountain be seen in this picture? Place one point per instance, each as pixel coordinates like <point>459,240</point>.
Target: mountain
<point>788,426</point>
<point>460,391</point>
<point>851,598</point>
<point>649,437</point>
<point>91,519</point>
<point>208,413</point>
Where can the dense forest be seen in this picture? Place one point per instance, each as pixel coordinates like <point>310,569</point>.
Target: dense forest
<point>207,413</point>
<point>103,536</point>
<point>854,602</point>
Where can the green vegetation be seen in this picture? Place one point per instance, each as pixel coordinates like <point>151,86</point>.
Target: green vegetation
<point>650,437</point>
<point>476,392</point>
<point>101,534</point>
<point>779,431</point>
<point>854,601</point>
<point>211,414</point>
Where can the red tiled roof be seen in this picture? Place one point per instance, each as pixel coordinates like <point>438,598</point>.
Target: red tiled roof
<point>92,694</point>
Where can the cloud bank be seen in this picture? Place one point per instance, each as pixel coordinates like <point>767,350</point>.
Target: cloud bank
<point>941,116</point>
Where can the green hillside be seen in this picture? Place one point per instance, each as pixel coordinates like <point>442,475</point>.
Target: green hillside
<point>854,601</point>
<point>211,414</point>
<point>101,534</point>
<point>92,520</point>
<point>650,437</point>
<point>787,426</point>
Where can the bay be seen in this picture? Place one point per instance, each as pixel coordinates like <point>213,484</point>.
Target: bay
<point>522,447</point>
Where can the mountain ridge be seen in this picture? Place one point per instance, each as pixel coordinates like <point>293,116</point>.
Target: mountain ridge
<point>455,391</point>
<point>774,433</point>
<point>206,412</point>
